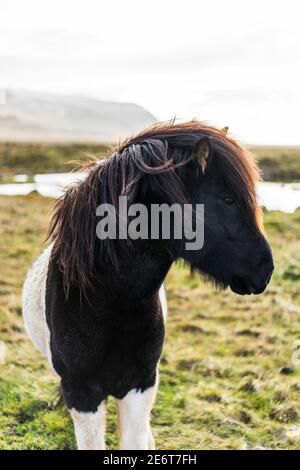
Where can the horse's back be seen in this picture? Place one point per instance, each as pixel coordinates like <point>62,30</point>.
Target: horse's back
<point>33,302</point>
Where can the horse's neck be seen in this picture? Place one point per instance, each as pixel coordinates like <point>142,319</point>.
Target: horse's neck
<point>140,275</point>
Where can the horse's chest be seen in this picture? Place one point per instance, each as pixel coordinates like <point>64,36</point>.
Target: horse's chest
<point>116,357</point>
<point>115,350</point>
<point>130,360</point>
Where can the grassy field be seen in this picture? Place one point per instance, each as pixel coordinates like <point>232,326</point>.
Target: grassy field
<point>228,380</point>
<point>277,164</point>
<point>19,158</point>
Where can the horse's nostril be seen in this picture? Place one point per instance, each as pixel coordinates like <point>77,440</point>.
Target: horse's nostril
<point>265,267</point>
<point>268,278</point>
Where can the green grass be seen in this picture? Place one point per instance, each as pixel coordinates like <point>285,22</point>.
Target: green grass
<point>277,164</point>
<point>221,385</point>
<point>19,158</point>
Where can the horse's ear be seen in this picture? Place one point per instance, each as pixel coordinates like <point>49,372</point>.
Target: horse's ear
<point>203,153</point>
<point>225,130</point>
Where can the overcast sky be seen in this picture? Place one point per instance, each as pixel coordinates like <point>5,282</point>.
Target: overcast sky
<point>230,62</point>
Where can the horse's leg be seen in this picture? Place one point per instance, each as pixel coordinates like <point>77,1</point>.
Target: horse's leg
<point>86,404</point>
<point>134,419</point>
<point>89,428</point>
<point>151,441</point>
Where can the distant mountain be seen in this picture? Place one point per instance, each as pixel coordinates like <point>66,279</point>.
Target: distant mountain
<point>28,116</point>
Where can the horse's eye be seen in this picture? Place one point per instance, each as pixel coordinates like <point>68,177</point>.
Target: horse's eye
<point>229,200</point>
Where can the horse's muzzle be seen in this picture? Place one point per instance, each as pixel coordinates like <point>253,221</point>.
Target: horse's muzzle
<point>255,283</point>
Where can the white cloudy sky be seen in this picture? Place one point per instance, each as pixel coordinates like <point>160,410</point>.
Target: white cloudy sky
<point>230,62</point>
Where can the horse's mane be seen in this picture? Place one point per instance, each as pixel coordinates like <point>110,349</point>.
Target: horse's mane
<point>157,151</point>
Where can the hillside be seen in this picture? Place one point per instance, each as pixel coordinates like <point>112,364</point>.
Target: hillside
<point>30,116</point>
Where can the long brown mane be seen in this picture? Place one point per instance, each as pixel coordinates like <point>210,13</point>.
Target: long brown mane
<point>158,152</point>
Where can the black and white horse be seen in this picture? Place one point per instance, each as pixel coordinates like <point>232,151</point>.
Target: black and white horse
<point>96,307</point>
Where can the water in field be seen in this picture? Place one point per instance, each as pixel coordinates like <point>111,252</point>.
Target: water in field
<point>284,197</point>
<point>50,184</point>
<point>273,196</point>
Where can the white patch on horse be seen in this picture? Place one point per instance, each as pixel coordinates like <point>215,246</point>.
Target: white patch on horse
<point>134,419</point>
<point>34,304</point>
<point>89,428</point>
<point>163,301</point>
